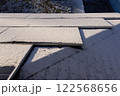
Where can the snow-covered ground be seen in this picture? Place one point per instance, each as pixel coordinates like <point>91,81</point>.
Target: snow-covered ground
<point>99,57</point>
<point>54,6</point>
<point>35,6</point>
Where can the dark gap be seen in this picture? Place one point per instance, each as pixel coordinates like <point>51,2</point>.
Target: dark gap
<point>112,18</point>
<point>97,6</point>
<point>44,44</point>
<point>82,35</point>
<point>82,27</point>
<point>5,71</point>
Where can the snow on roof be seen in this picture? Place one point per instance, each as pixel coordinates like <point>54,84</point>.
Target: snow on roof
<point>60,46</point>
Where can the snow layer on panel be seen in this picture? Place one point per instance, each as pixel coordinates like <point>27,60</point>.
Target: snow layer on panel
<point>11,54</point>
<point>98,61</point>
<point>2,30</point>
<point>13,15</point>
<point>93,36</point>
<point>84,23</point>
<point>40,35</point>
<point>74,15</point>
<point>114,22</point>
<point>43,57</point>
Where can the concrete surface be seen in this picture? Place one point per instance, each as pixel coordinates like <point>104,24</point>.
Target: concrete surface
<point>43,35</point>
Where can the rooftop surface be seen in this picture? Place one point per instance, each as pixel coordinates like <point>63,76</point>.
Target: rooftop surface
<point>60,46</point>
